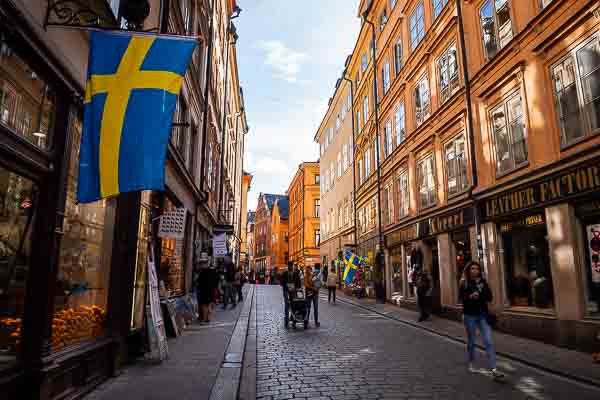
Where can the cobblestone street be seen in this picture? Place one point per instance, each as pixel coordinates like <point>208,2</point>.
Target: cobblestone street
<point>357,354</point>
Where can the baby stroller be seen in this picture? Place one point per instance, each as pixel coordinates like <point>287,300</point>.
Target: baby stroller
<point>298,307</point>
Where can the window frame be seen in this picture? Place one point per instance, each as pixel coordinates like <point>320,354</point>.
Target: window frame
<point>464,186</point>
<point>398,56</point>
<point>345,156</point>
<point>442,3</point>
<point>434,202</point>
<point>403,207</point>
<point>387,143</point>
<point>386,79</point>
<point>415,45</point>
<point>401,104</point>
<point>425,115</point>
<point>445,56</point>
<point>496,28</point>
<point>367,158</point>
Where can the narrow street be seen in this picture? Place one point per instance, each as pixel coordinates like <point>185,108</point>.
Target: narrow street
<point>358,354</point>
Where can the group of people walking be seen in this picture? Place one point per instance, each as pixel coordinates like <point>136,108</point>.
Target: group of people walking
<point>221,284</point>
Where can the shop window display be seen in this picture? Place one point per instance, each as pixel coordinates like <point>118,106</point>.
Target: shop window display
<point>527,263</point>
<point>17,204</point>
<point>81,292</point>
<point>172,258</point>
<point>27,102</point>
<point>397,277</point>
<point>592,248</point>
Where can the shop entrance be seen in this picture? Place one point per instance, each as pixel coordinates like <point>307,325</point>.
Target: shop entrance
<point>436,299</point>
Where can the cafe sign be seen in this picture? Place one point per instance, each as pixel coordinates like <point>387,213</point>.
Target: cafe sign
<point>563,186</point>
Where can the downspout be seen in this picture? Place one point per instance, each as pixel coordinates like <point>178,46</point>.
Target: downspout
<point>223,127</point>
<point>471,132</point>
<point>206,93</point>
<point>344,77</point>
<point>377,155</point>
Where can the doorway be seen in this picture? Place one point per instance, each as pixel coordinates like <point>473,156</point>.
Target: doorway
<point>436,297</point>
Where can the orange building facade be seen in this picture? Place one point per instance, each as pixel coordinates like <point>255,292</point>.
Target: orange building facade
<point>486,151</point>
<point>270,233</point>
<point>304,229</point>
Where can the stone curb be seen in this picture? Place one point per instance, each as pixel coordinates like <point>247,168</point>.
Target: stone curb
<point>227,384</point>
<point>510,356</point>
<point>247,389</point>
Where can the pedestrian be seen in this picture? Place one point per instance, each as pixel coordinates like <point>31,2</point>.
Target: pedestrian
<point>424,292</point>
<point>332,281</point>
<point>288,278</point>
<point>229,294</point>
<point>237,285</point>
<point>206,283</point>
<point>312,284</point>
<point>475,294</point>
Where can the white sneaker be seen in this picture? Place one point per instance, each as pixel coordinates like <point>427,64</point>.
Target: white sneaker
<point>497,374</point>
<point>472,368</point>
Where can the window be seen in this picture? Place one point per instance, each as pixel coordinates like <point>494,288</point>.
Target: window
<point>349,103</point>
<point>367,163</point>
<point>363,62</point>
<point>274,238</point>
<point>317,179</point>
<point>346,213</point>
<point>385,74</point>
<point>209,173</point>
<point>17,205</point>
<point>388,205</point>
<point>357,80</point>
<point>343,112</point>
<point>350,150</point>
<point>326,139</point>
<point>545,3</point>
<point>366,109</point>
<point>392,4</point>
<point>398,56</point>
<point>495,25</point>
<point>387,144</point>
<point>322,149</point>
<point>27,102</point>
<point>340,217</point>
<point>383,20</point>
<point>317,213</point>
<point>331,135</point>
<point>426,182</point>
<point>337,123</point>
<point>317,237</point>
<point>332,172</point>
<point>187,14</point>
<point>448,73</point>
<point>422,101</point>
<point>345,150</point>
<point>577,96</point>
<point>326,181</point>
<point>400,124</point>
<point>417,26</point>
<point>438,6</point>
<point>358,121</point>
<point>373,211</point>
<point>509,134</point>
<point>360,171</point>
<point>402,195</point>
<point>322,185</point>
<point>339,165</point>
<point>456,166</point>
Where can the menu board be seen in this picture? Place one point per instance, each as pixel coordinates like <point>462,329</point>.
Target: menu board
<point>156,327</point>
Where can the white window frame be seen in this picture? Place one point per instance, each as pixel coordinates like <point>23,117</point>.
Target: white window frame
<point>443,65</point>
<point>398,56</point>
<point>417,17</point>
<point>365,109</point>
<point>458,160</point>
<point>509,125</point>
<point>367,159</point>
<point>507,28</point>
<point>345,152</point>
<point>403,194</point>
<point>339,165</point>
<point>424,96</point>
<point>431,190</point>
<point>438,7</point>
<point>387,145</point>
<point>400,122</point>
<point>385,72</point>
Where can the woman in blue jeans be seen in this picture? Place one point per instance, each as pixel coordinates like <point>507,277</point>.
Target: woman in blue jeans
<point>476,294</point>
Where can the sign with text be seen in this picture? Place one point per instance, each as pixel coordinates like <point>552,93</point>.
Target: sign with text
<point>220,245</point>
<point>563,186</point>
<point>172,224</point>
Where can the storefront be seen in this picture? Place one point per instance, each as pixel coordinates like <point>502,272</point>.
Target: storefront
<point>440,245</point>
<point>543,263</point>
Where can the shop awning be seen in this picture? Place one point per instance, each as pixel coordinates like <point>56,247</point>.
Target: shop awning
<point>81,14</point>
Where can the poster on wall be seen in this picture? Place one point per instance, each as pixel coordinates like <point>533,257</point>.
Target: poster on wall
<point>593,246</point>
<point>172,224</point>
<point>157,337</point>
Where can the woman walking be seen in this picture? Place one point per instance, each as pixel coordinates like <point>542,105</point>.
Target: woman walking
<point>206,284</point>
<point>424,292</point>
<point>332,281</point>
<point>475,295</point>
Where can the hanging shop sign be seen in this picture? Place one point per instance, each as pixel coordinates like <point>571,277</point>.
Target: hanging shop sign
<point>563,186</point>
<point>172,224</point>
<point>220,245</point>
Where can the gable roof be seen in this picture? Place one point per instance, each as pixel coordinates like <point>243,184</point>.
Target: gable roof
<point>270,199</point>
<point>283,206</point>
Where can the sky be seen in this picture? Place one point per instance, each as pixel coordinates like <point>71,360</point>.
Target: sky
<point>290,54</point>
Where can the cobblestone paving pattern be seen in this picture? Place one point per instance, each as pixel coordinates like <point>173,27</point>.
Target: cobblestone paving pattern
<point>356,354</point>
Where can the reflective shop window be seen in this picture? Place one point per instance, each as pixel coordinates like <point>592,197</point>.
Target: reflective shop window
<point>397,276</point>
<point>17,202</point>
<point>172,259</point>
<point>82,282</point>
<point>27,102</point>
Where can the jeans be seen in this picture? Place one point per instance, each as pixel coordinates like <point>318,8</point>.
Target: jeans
<point>286,307</point>
<point>229,294</point>
<point>314,299</point>
<point>331,291</point>
<point>471,324</point>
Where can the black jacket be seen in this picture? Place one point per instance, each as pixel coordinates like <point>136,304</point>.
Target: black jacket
<point>475,306</point>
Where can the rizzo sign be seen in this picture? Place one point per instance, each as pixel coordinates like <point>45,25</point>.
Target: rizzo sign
<point>433,226</point>
<point>561,187</point>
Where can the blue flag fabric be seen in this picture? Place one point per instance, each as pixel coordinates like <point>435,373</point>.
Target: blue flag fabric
<point>130,96</point>
<point>352,263</point>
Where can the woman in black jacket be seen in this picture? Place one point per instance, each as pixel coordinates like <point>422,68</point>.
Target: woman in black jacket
<point>475,295</point>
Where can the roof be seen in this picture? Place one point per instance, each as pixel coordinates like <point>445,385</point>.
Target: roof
<point>284,207</point>
<point>270,199</point>
<point>251,215</point>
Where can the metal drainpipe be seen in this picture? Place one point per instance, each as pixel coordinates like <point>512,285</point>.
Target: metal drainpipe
<point>344,77</point>
<point>241,199</point>
<point>206,93</point>
<point>223,123</point>
<point>471,132</point>
<point>377,155</point>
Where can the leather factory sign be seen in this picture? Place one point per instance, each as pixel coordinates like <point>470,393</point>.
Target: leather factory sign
<point>432,226</point>
<point>562,186</point>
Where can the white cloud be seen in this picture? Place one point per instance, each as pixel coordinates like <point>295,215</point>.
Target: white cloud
<point>286,62</point>
<point>270,166</point>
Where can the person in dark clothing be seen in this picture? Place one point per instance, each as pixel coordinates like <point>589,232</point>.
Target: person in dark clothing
<point>229,282</point>
<point>424,291</point>
<point>475,295</point>
<point>287,279</point>
<point>206,283</point>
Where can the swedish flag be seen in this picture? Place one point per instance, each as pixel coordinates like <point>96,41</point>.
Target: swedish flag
<point>131,92</point>
<point>352,262</point>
